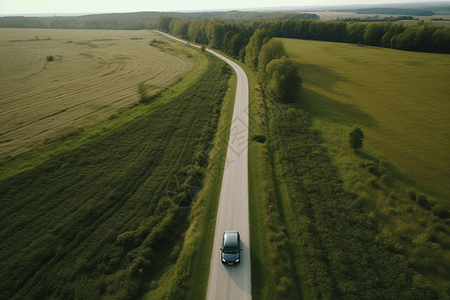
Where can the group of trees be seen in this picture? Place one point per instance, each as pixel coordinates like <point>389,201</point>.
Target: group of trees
<point>276,73</point>
<point>424,37</point>
<point>230,37</point>
<point>211,28</point>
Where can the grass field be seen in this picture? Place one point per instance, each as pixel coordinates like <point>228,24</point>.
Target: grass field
<point>97,222</point>
<point>400,101</point>
<point>399,98</point>
<point>93,76</point>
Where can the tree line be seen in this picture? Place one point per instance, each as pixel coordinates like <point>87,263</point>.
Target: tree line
<point>276,73</point>
<point>139,20</point>
<point>423,37</point>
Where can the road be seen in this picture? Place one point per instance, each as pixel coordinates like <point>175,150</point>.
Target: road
<point>233,282</point>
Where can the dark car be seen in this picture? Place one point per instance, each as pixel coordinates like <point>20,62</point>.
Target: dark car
<point>231,248</point>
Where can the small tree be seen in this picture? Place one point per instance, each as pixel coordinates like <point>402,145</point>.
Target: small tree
<point>142,89</point>
<point>203,48</point>
<point>356,138</point>
<point>50,58</point>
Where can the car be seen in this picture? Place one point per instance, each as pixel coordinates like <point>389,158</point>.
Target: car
<point>231,248</point>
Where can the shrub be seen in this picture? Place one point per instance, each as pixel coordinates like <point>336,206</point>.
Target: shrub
<point>441,212</point>
<point>126,240</point>
<point>259,138</point>
<point>423,201</point>
<point>412,195</point>
<point>50,58</point>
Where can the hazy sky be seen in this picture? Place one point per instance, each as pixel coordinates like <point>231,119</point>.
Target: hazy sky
<point>107,6</point>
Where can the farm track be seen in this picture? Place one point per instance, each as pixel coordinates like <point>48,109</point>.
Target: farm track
<point>87,82</point>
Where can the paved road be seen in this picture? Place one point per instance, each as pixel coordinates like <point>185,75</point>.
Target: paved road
<point>233,282</point>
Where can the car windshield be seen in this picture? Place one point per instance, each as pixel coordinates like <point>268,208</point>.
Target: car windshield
<point>231,249</point>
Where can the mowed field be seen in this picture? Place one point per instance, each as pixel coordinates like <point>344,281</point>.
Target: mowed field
<point>94,75</point>
<point>400,99</point>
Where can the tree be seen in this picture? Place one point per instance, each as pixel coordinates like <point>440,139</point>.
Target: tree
<point>283,80</point>
<point>259,38</point>
<point>273,49</point>
<point>237,43</point>
<point>356,138</point>
<point>142,89</point>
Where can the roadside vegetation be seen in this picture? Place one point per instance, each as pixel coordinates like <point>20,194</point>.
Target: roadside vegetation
<point>100,222</point>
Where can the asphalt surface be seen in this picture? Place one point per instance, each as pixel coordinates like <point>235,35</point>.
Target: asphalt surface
<point>233,282</point>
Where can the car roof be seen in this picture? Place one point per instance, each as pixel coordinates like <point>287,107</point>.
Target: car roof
<point>230,238</point>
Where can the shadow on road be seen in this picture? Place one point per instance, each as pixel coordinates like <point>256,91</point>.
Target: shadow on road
<point>240,273</point>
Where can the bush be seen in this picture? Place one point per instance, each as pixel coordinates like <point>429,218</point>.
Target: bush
<point>423,201</point>
<point>50,58</point>
<point>412,195</point>
<point>441,212</point>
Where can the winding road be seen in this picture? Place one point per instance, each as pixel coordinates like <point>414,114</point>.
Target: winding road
<point>233,282</point>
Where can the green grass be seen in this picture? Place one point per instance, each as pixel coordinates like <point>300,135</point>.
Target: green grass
<point>68,143</point>
<point>397,97</point>
<point>97,221</point>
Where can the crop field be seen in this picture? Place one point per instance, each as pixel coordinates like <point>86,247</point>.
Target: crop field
<point>93,75</point>
<point>400,99</point>
<point>105,220</point>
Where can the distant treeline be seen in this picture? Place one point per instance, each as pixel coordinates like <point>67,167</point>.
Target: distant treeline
<point>395,11</point>
<point>140,20</point>
<point>376,19</point>
<point>423,37</point>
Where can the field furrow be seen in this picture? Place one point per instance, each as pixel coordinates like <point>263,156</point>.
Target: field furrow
<point>89,80</point>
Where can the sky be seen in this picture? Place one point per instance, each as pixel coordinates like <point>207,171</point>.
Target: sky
<point>109,6</point>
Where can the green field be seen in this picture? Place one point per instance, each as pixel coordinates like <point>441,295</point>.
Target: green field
<point>399,98</point>
<point>100,221</point>
<point>399,180</point>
